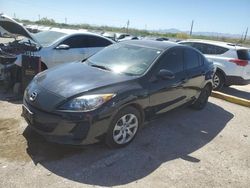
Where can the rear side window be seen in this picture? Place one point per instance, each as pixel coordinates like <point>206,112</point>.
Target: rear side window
<point>191,59</point>
<point>172,60</point>
<point>207,48</point>
<point>210,49</point>
<point>243,54</point>
<point>95,41</point>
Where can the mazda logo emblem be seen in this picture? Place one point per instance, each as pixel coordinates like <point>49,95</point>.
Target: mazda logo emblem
<point>33,96</point>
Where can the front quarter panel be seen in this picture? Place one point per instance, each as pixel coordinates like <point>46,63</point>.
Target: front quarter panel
<point>128,93</point>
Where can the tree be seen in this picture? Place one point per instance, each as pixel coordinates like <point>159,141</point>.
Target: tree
<point>46,21</point>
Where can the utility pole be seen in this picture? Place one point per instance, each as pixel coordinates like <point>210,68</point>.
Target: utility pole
<point>127,25</point>
<point>191,30</point>
<point>14,15</point>
<point>65,20</point>
<point>39,17</point>
<point>246,34</point>
<point>241,38</point>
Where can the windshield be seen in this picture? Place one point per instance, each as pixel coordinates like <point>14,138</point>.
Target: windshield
<point>124,58</point>
<point>46,38</point>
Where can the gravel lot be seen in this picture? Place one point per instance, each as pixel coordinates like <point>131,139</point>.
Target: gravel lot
<point>184,148</point>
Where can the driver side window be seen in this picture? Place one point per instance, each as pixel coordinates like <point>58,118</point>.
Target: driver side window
<point>172,60</point>
<point>78,41</point>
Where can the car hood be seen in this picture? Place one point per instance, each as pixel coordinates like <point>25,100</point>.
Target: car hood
<point>74,78</point>
<point>13,27</point>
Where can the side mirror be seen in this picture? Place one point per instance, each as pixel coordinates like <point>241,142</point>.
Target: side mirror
<point>165,74</point>
<point>62,47</point>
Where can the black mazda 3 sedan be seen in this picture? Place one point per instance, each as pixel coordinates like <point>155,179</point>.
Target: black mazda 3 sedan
<point>109,96</point>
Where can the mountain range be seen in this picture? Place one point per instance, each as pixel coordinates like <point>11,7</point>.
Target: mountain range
<point>213,34</point>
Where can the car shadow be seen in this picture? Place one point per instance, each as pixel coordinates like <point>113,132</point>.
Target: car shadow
<point>175,135</point>
<point>235,92</point>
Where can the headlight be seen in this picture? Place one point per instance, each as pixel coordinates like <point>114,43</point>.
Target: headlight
<point>87,103</point>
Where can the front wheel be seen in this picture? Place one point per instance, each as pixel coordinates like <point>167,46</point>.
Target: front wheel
<point>123,128</point>
<point>201,102</point>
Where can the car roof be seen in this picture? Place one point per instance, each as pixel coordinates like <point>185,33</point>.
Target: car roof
<point>75,32</point>
<point>151,44</point>
<point>217,43</point>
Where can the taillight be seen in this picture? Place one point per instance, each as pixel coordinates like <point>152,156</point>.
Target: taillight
<point>239,62</point>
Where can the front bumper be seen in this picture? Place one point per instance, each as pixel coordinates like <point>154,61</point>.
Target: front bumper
<point>236,80</point>
<point>66,128</point>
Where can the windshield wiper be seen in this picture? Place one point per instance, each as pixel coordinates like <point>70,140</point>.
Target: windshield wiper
<point>101,67</point>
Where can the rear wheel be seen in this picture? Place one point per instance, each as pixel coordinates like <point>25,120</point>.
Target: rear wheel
<point>123,128</point>
<point>201,102</point>
<point>218,81</point>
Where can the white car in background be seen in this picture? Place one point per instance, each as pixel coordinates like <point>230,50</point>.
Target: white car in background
<point>57,46</point>
<point>232,61</point>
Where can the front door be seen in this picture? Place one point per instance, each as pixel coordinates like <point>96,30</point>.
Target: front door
<point>166,94</point>
<point>78,50</point>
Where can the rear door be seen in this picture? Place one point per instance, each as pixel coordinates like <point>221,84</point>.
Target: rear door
<point>194,66</point>
<point>167,94</point>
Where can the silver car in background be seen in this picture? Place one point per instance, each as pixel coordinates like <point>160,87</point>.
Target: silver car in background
<point>56,46</point>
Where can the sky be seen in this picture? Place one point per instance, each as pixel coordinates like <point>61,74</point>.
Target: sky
<point>224,16</point>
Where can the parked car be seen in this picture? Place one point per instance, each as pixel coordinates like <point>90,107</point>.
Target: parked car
<point>59,45</point>
<point>124,36</point>
<point>109,35</point>
<point>162,39</point>
<point>232,61</point>
<point>110,95</point>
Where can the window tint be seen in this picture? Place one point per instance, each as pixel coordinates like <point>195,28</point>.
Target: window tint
<point>201,59</point>
<point>172,60</point>
<point>243,54</point>
<point>95,41</point>
<point>78,41</point>
<point>192,59</point>
<point>206,48</point>
<point>86,41</point>
<point>209,49</point>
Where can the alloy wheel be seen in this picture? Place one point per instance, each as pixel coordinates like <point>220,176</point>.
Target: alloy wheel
<point>216,81</point>
<point>125,129</point>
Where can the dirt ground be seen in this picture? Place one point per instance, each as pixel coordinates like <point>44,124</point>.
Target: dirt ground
<point>184,148</point>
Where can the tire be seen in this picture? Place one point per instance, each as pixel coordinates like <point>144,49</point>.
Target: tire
<point>201,102</point>
<point>218,81</point>
<point>121,132</point>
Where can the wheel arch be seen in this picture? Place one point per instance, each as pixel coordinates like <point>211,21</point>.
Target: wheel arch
<point>221,72</point>
<point>137,107</point>
<point>43,66</point>
<point>210,85</point>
